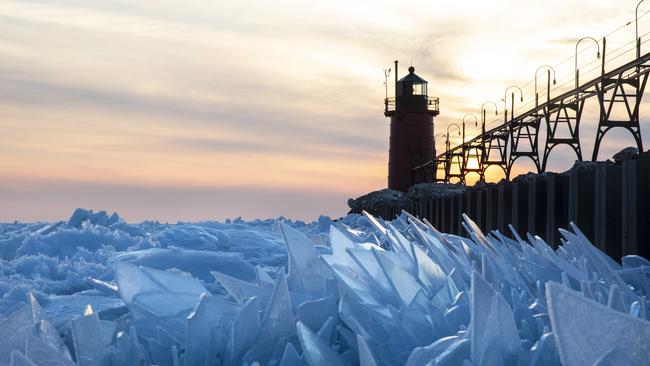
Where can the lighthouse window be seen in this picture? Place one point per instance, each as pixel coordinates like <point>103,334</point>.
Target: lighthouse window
<point>419,89</point>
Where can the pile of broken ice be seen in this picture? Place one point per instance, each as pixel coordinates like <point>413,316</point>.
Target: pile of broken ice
<point>389,293</point>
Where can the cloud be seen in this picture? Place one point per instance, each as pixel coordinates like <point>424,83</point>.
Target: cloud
<point>250,122</point>
<point>286,95</point>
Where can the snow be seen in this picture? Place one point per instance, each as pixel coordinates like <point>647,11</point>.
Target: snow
<point>96,291</point>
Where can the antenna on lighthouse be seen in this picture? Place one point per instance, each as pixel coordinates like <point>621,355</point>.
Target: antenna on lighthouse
<point>386,75</point>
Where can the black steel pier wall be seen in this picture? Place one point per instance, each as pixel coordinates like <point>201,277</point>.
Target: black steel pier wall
<point>609,202</point>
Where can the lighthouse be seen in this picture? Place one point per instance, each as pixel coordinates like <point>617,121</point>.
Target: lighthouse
<point>411,114</point>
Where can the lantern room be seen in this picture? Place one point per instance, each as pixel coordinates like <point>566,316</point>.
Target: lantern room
<point>410,94</point>
<point>411,85</point>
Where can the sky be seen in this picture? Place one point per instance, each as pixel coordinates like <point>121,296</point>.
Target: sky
<point>198,110</point>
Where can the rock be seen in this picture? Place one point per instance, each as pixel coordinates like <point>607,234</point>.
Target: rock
<point>390,199</point>
<point>645,155</point>
<point>526,177</point>
<point>378,199</point>
<point>581,166</point>
<point>433,190</point>
<point>625,154</point>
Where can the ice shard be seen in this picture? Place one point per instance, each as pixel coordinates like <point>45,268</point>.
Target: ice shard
<point>307,272</point>
<point>211,313</point>
<point>199,263</point>
<point>242,290</point>
<point>317,352</point>
<point>29,322</point>
<point>278,325</point>
<point>316,312</point>
<point>158,293</point>
<point>245,329</point>
<point>42,352</point>
<point>365,355</point>
<point>492,329</point>
<point>290,356</point>
<point>91,348</point>
<point>585,330</point>
<point>18,359</point>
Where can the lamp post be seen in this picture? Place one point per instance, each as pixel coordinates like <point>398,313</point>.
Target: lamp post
<point>548,88</point>
<point>636,30</point>
<point>577,72</point>
<point>434,161</point>
<point>496,112</point>
<point>448,126</point>
<point>512,102</point>
<point>434,140</point>
<point>464,119</point>
<point>436,136</point>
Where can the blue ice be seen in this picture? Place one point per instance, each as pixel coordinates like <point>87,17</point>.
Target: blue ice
<point>97,291</point>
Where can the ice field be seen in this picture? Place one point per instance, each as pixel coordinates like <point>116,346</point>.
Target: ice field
<point>96,290</point>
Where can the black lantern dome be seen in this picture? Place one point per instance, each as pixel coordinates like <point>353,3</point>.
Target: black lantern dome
<point>411,94</point>
<point>411,85</point>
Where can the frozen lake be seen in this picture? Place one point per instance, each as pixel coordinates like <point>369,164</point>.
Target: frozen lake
<point>96,290</point>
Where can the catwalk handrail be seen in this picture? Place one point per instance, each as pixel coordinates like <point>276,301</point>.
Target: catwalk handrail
<point>433,104</point>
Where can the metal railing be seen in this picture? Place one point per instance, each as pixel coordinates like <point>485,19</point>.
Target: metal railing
<point>433,104</point>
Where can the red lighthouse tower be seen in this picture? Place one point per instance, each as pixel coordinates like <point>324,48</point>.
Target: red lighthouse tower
<point>411,114</point>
